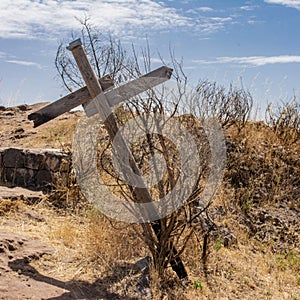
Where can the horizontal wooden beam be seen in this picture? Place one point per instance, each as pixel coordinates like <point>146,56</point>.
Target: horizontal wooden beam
<point>113,96</point>
<point>131,89</point>
<point>66,103</point>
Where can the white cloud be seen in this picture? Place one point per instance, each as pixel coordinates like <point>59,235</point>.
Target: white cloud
<point>219,19</point>
<point>44,19</point>
<point>204,9</point>
<point>248,7</point>
<point>289,3</point>
<point>254,60</point>
<point>32,19</point>
<point>261,60</point>
<point>213,24</point>
<point>24,63</point>
<point>199,9</point>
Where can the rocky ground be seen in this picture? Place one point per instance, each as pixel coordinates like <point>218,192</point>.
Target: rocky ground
<point>49,253</point>
<point>34,264</point>
<point>18,279</point>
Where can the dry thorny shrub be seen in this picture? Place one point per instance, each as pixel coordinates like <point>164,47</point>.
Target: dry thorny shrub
<point>264,172</point>
<point>230,106</point>
<point>284,119</point>
<point>143,150</point>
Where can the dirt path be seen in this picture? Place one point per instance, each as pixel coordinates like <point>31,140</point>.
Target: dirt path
<point>36,263</point>
<point>18,279</point>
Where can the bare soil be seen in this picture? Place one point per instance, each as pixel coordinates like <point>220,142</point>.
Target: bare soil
<point>17,131</point>
<point>39,257</point>
<point>18,279</point>
<point>35,262</point>
<point>51,253</point>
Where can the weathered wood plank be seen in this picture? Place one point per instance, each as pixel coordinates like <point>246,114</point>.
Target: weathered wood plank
<point>113,97</point>
<point>66,103</point>
<point>131,89</point>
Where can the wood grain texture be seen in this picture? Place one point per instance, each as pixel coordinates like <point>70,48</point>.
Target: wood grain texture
<point>66,103</point>
<point>130,89</point>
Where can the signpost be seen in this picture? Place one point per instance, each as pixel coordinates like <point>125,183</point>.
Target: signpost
<point>99,96</point>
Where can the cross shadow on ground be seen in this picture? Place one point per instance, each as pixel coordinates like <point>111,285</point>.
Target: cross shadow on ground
<point>79,289</point>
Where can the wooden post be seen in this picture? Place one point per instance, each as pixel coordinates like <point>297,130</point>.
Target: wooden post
<point>106,114</point>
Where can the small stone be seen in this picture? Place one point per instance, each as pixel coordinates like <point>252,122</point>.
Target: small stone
<point>34,160</point>
<point>24,107</point>
<point>19,130</point>
<point>44,178</point>
<point>13,158</point>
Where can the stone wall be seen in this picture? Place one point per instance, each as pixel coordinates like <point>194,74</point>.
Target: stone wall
<point>35,169</point>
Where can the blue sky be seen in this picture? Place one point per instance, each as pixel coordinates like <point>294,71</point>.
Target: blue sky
<point>254,44</point>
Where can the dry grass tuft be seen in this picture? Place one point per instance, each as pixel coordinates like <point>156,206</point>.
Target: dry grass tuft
<point>110,242</point>
<point>10,206</point>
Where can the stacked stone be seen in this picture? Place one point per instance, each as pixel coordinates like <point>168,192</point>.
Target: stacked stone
<point>35,169</point>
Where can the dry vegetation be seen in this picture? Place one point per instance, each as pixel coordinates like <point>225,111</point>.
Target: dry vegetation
<point>253,247</point>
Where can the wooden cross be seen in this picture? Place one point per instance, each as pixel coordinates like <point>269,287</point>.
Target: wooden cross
<point>113,96</point>
<point>99,97</point>
<point>101,105</point>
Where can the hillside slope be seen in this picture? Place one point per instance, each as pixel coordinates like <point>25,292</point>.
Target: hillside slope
<point>73,252</point>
